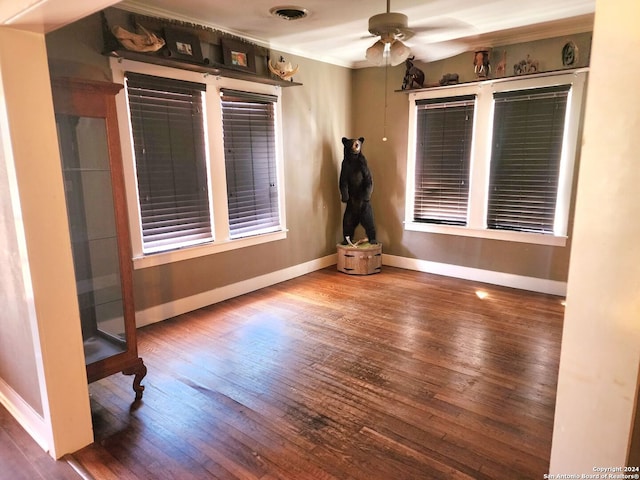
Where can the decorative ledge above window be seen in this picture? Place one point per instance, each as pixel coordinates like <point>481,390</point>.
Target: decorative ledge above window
<point>186,46</point>
<point>215,70</point>
<point>488,80</point>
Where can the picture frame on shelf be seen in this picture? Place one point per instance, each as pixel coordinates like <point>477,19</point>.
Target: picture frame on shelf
<point>240,55</point>
<point>183,45</point>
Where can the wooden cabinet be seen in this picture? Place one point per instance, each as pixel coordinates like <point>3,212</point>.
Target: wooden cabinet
<point>95,196</point>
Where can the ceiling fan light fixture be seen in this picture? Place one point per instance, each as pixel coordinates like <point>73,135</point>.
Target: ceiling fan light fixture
<point>375,53</point>
<point>398,53</point>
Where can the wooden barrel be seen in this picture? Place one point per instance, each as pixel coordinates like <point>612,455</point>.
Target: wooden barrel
<point>364,259</point>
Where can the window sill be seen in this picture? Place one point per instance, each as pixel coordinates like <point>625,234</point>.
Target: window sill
<point>155,259</point>
<point>507,236</point>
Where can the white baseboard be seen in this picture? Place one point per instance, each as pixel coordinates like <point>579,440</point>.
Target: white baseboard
<point>26,416</point>
<point>521,282</point>
<point>188,304</point>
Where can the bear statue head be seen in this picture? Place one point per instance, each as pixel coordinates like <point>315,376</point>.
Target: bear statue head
<point>352,146</point>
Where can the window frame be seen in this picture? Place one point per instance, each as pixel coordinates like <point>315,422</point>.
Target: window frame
<point>215,163</point>
<point>522,119</point>
<point>244,114</point>
<point>481,155</point>
<point>158,107</point>
<point>439,108</point>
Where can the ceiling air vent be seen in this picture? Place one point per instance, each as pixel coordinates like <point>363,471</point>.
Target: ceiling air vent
<point>289,13</point>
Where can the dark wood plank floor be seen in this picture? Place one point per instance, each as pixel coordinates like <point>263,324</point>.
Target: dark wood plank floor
<point>398,375</point>
<point>21,458</point>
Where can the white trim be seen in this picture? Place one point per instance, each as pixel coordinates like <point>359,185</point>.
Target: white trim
<point>25,415</point>
<point>540,285</point>
<point>504,235</point>
<point>162,258</point>
<point>215,164</point>
<point>188,304</point>
<point>481,154</point>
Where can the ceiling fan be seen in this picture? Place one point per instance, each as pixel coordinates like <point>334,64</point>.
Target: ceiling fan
<point>393,29</point>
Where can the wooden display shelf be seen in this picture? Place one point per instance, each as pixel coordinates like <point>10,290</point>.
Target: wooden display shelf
<point>209,68</point>
<point>489,80</point>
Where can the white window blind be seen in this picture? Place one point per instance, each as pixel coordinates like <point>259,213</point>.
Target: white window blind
<point>248,124</point>
<point>528,134</point>
<point>169,149</point>
<point>443,149</point>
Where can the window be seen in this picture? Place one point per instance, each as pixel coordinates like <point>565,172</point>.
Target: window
<point>250,159</point>
<point>443,152</point>
<point>167,121</point>
<point>528,128</point>
<point>202,162</point>
<point>495,159</point>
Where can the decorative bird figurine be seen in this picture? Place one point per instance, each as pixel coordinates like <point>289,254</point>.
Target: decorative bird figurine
<point>144,41</point>
<point>283,69</point>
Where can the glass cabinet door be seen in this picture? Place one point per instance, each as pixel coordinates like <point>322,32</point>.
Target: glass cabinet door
<point>92,225</point>
<point>92,169</point>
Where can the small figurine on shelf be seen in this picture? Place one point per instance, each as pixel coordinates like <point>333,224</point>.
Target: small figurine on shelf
<point>481,64</point>
<point>413,77</point>
<point>283,69</point>
<point>501,69</point>
<point>143,41</point>
<point>449,79</point>
<point>525,67</point>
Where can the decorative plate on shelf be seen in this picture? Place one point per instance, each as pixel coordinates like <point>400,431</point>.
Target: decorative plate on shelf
<point>569,54</point>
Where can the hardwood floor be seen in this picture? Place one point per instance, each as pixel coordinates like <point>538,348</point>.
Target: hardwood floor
<point>21,458</point>
<point>398,375</point>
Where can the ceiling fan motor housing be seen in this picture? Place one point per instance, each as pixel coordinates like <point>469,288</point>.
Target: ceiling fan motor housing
<point>393,23</point>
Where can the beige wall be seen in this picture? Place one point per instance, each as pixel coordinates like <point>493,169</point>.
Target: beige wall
<point>42,361</point>
<point>18,367</point>
<point>314,120</point>
<point>315,117</point>
<point>598,378</point>
<point>547,52</point>
<point>600,344</point>
<point>388,162</point>
<point>598,382</point>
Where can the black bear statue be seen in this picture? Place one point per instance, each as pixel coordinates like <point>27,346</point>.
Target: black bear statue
<point>356,186</point>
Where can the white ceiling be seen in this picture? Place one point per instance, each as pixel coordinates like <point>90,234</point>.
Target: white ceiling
<point>336,31</point>
<point>43,16</point>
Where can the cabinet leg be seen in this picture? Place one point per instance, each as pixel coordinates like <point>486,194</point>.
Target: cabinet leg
<point>139,370</point>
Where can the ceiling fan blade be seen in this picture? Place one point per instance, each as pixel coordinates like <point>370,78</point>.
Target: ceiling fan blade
<point>405,33</point>
<point>392,30</point>
<point>443,24</point>
<point>431,52</point>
